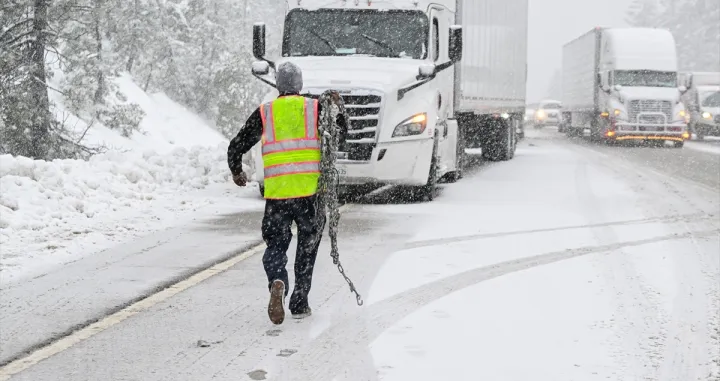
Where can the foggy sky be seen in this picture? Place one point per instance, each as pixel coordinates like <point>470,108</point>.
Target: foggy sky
<point>555,22</point>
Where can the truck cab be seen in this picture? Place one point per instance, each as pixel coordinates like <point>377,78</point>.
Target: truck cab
<point>638,76</point>
<point>392,63</point>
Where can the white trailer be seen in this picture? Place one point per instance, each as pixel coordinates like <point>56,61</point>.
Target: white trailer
<point>413,109</point>
<point>621,83</point>
<point>492,76</point>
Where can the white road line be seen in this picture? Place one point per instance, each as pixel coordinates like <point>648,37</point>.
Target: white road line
<point>91,330</point>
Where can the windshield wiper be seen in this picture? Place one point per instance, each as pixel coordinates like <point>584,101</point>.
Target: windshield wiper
<point>381,43</point>
<point>321,38</point>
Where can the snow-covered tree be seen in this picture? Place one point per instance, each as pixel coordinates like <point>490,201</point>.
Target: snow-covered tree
<point>695,25</point>
<point>89,62</point>
<point>198,52</point>
<point>25,103</point>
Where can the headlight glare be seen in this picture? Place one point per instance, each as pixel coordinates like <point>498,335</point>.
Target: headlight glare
<point>707,115</point>
<point>415,125</point>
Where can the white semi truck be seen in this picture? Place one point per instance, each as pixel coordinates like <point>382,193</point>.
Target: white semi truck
<point>622,84</point>
<point>421,79</point>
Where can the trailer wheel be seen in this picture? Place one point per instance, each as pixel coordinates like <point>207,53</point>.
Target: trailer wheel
<point>500,146</point>
<point>571,132</point>
<point>678,144</point>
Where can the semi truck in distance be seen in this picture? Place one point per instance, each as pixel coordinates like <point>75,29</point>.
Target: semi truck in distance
<point>622,84</point>
<point>421,79</point>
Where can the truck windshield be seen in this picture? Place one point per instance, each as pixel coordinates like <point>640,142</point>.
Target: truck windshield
<point>647,78</point>
<point>336,32</point>
<point>712,100</point>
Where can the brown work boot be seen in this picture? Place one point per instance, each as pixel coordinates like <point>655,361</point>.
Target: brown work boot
<point>276,307</point>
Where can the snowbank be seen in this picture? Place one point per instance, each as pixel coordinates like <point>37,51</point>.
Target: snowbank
<point>53,211</point>
<point>37,194</point>
<point>170,171</point>
<point>166,126</point>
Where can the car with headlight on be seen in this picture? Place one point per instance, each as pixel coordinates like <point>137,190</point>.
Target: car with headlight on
<point>708,124</point>
<point>702,110</point>
<point>547,114</point>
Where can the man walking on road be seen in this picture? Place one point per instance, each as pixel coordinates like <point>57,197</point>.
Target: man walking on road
<point>288,127</point>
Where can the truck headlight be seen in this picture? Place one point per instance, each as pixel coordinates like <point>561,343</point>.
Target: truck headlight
<point>415,125</point>
<point>541,114</point>
<point>707,115</point>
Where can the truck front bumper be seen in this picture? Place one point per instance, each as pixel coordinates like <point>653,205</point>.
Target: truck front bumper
<point>402,163</point>
<point>634,131</point>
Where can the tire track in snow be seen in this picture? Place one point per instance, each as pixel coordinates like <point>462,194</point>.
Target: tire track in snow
<point>339,347</point>
<point>688,354</point>
<point>695,217</point>
<point>638,316</point>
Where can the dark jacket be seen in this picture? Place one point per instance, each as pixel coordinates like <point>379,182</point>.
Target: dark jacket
<point>250,135</point>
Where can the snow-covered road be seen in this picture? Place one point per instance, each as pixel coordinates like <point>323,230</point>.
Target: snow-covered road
<point>571,262</point>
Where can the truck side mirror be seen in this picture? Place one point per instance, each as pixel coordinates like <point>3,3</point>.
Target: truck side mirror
<point>259,40</point>
<point>426,71</point>
<point>260,68</point>
<point>455,48</point>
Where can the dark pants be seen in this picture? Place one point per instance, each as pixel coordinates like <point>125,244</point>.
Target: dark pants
<point>279,216</point>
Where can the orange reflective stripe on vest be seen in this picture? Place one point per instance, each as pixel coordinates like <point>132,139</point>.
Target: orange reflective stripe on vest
<point>292,169</point>
<point>290,145</point>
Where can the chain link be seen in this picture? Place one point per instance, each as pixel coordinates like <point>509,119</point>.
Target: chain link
<point>332,105</point>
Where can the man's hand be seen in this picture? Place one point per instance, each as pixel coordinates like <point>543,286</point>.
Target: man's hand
<point>240,179</point>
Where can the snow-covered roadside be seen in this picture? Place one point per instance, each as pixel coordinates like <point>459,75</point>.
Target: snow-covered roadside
<point>174,168</point>
<point>54,212</point>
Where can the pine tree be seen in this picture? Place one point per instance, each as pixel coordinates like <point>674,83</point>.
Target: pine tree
<point>24,96</point>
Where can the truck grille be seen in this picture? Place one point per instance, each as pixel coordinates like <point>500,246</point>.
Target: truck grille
<point>638,107</point>
<point>363,107</point>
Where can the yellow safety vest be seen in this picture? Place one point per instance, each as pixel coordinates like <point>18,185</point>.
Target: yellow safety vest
<point>290,147</point>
